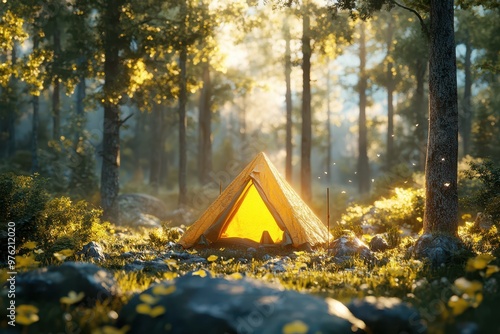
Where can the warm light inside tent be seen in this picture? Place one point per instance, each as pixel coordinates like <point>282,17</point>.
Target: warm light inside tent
<point>250,218</point>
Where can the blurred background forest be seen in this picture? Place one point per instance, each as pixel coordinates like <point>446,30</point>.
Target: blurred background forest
<point>173,98</point>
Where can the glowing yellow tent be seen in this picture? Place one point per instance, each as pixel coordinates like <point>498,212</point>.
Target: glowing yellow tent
<point>259,208</point>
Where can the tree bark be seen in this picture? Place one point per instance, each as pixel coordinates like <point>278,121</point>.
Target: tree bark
<point>328,129</point>
<point>182,111</point>
<point>390,101</point>
<point>421,112</point>
<point>441,204</point>
<point>157,141</point>
<point>363,167</point>
<point>288,102</point>
<point>81,88</point>
<point>205,128</point>
<point>34,134</point>
<point>467,105</point>
<point>56,95</point>
<point>111,125</point>
<point>13,106</point>
<point>305,163</point>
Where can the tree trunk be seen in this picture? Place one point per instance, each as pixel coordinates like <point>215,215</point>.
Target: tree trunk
<point>157,141</point>
<point>467,105</point>
<point>390,118</point>
<point>420,113</point>
<point>81,88</point>
<point>441,204</point>
<point>35,121</point>
<point>328,128</point>
<point>182,111</point>
<point>242,122</point>
<point>56,95</point>
<point>205,128</point>
<point>13,106</point>
<point>363,167</point>
<point>288,102</point>
<point>111,125</point>
<point>390,101</point>
<point>305,163</point>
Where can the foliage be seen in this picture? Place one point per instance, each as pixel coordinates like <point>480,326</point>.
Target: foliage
<point>161,236</point>
<point>66,224</point>
<point>403,209</point>
<point>22,200</point>
<point>486,197</point>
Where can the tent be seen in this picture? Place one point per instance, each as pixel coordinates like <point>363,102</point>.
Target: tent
<point>258,208</point>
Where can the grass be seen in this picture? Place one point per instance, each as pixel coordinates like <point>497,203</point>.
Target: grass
<point>393,275</point>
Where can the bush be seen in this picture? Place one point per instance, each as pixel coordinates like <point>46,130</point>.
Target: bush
<point>404,209</point>
<point>65,222</point>
<point>485,196</point>
<point>22,199</point>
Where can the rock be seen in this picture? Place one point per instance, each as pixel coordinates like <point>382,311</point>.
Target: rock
<point>146,220</point>
<point>347,246</point>
<point>439,248</point>
<point>181,216</point>
<point>195,259</point>
<point>137,265</point>
<point>192,304</point>
<point>53,282</point>
<point>141,209</point>
<point>387,315</point>
<point>467,328</point>
<point>378,244</point>
<point>127,255</point>
<point>94,251</point>
<point>275,266</point>
<point>483,222</point>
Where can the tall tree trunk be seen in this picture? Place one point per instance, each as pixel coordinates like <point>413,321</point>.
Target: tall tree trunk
<point>205,128</point>
<point>390,101</point>
<point>182,111</point>
<point>13,106</point>
<point>441,200</point>
<point>157,141</point>
<point>305,156</point>
<point>81,88</point>
<point>421,110</point>
<point>56,95</point>
<point>363,167</point>
<point>111,126</point>
<point>242,123</point>
<point>328,128</point>
<point>467,105</point>
<point>35,121</point>
<point>288,102</point>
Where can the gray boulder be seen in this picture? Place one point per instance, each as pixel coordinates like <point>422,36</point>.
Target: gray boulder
<point>347,246</point>
<point>193,304</point>
<point>94,251</point>
<point>141,210</point>
<point>387,315</point>
<point>378,244</point>
<point>439,248</point>
<point>53,282</point>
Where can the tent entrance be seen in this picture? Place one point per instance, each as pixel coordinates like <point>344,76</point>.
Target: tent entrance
<point>250,218</point>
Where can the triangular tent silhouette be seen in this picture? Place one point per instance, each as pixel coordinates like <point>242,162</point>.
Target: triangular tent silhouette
<point>259,208</point>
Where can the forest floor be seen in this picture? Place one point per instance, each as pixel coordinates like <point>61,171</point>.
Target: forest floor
<point>451,298</point>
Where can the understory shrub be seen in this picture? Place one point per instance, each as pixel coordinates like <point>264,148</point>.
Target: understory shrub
<point>22,199</point>
<point>405,208</point>
<point>483,195</point>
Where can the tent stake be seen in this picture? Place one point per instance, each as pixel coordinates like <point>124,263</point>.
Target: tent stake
<point>328,216</point>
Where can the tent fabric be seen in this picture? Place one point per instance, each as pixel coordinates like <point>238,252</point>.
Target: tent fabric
<point>258,205</point>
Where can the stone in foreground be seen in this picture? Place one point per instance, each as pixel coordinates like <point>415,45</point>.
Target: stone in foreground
<point>194,304</point>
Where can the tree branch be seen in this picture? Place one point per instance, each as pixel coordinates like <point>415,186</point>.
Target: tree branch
<point>125,119</point>
<point>422,23</point>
